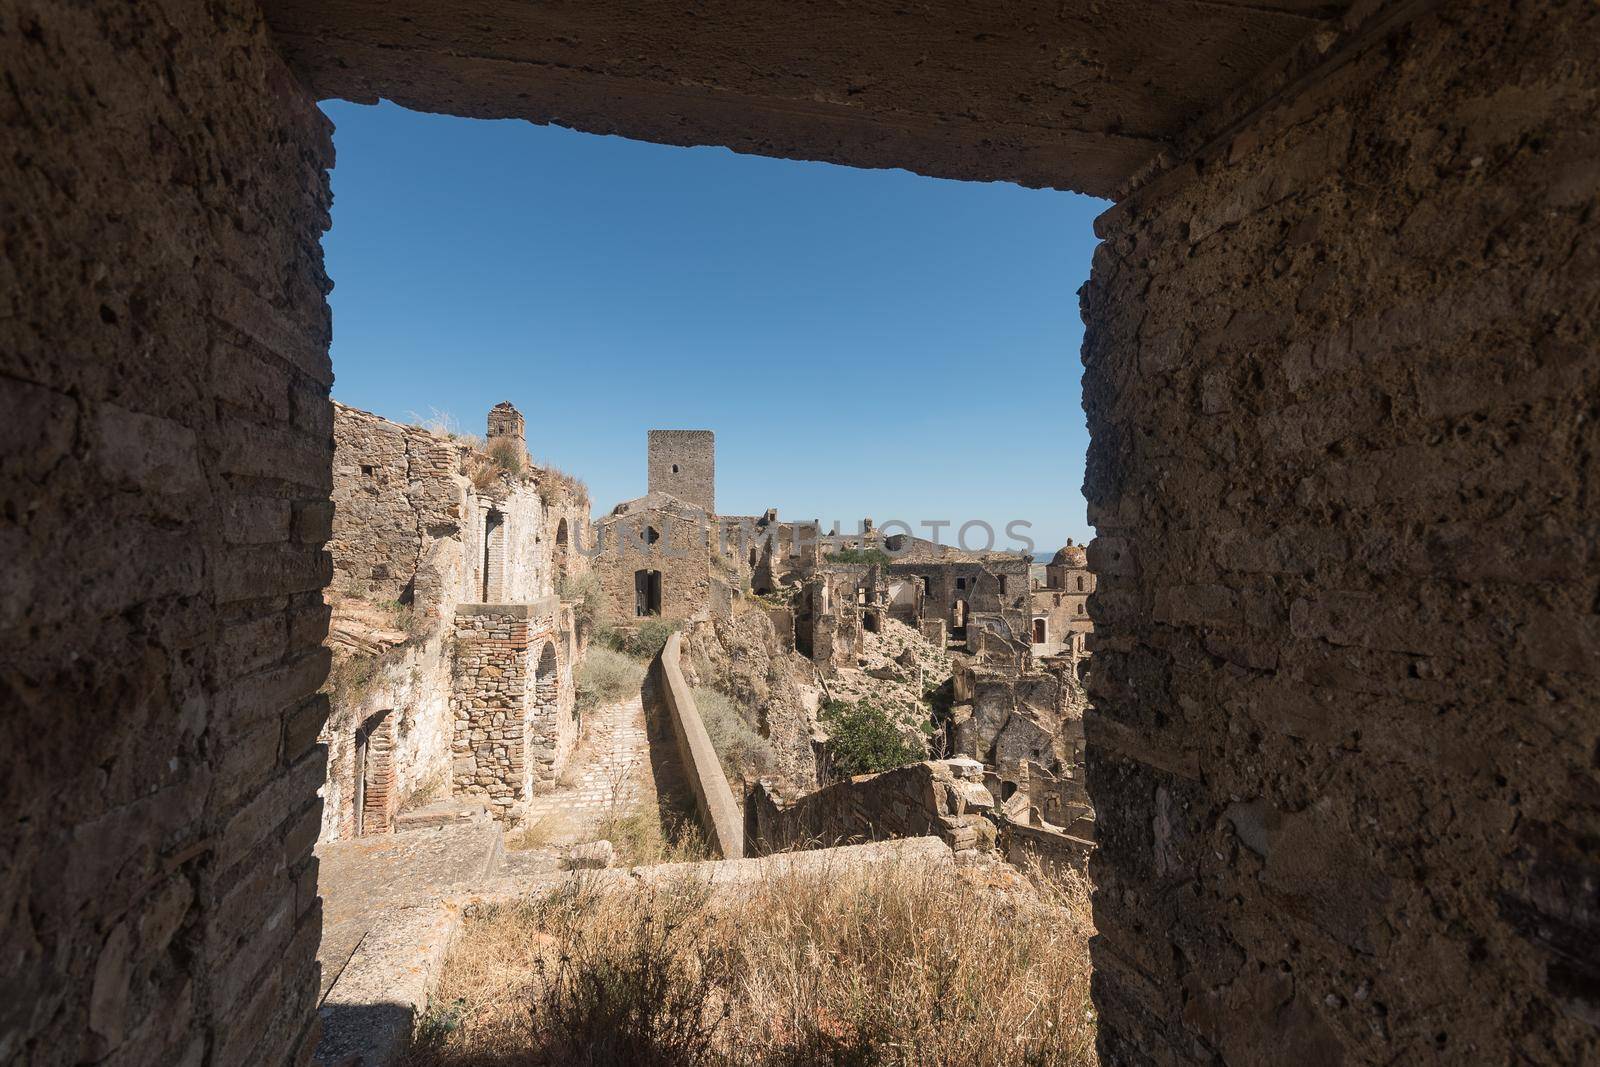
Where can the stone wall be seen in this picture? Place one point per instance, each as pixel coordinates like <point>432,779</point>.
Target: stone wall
<point>413,682</point>
<point>164,445</point>
<point>410,525</point>
<point>411,539</point>
<point>1006,718</point>
<point>1340,377</point>
<point>941,798</point>
<point>719,814</point>
<point>683,553</point>
<point>512,703</point>
<point>1052,850</point>
<point>683,463</point>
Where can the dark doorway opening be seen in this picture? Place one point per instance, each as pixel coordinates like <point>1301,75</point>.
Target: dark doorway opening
<point>646,593</point>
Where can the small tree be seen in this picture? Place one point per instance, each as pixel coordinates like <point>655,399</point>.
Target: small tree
<point>865,740</point>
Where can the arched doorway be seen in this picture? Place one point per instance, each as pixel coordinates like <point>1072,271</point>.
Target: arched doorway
<point>373,775</point>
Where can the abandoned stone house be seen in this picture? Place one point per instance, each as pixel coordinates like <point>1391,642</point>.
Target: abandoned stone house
<point>1339,381</point>
<point>453,652</point>
<point>1061,621</point>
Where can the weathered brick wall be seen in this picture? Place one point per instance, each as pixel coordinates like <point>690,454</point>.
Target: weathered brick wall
<point>940,798</point>
<point>164,446</point>
<point>1341,387</point>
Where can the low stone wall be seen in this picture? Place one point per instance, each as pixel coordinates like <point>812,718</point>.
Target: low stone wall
<point>712,796</point>
<point>1021,845</point>
<point>940,798</point>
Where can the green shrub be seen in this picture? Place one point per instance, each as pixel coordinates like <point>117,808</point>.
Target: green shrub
<point>860,555</point>
<point>744,754</point>
<point>607,677</point>
<point>865,740</point>
<point>643,641</point>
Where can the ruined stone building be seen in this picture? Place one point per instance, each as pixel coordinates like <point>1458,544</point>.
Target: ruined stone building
<point>453,652</point>
<point>1061,621</point>
<point>1339,381</point>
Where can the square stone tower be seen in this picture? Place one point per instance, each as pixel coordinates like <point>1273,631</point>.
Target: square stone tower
<point>684,463</point>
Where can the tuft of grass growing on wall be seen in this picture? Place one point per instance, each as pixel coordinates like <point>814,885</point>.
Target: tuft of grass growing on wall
<point>880,964</point>
<point>863,739</point>
<point>607,677</point>
<point>506,457</point>
<point>350,679</point>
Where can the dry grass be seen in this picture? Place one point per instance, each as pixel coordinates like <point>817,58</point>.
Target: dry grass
<point>886,964</point>
<point>607,677</point>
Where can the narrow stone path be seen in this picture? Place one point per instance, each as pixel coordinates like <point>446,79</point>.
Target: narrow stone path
<point>611,775</point>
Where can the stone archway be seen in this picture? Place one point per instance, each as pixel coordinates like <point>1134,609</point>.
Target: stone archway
<point>543,732</point>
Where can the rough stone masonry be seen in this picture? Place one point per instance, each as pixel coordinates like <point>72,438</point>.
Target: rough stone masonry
<point>1341,391</point>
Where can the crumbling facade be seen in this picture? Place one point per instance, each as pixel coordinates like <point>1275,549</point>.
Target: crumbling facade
<point>1339,392</point>
<point>1061,622</point>
<point>430,533</point>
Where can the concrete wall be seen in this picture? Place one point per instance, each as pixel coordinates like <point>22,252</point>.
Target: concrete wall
<point>719,814</point>
<point>1340,377</point>
<point>164,474</point>
<point>940,798</point>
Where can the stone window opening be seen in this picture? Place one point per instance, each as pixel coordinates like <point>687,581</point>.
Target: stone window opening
<point>1040,631</point>
<point>1080,609</point>
<point>1002,580</point>
<point>870,623</point>
<point>674,468</point>
<point>367,469</point>
<point>961,583</point>
<point>1080,583</point>
<point>651,535</point>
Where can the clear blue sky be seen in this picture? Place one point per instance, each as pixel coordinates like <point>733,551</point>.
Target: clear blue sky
<point>864,343</point>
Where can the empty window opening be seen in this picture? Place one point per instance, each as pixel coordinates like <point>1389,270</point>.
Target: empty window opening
<point>651,535</point>
<point>1002,580</point>
<point>870,623</point>
<point>961,583</point>
<point>494,556</point>
<point>1080,583</point>
<point>367,469</point>
<point>674,468</point>
<point>1040,630</point>
<point>646,593</point>
<point>1080,609</point>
